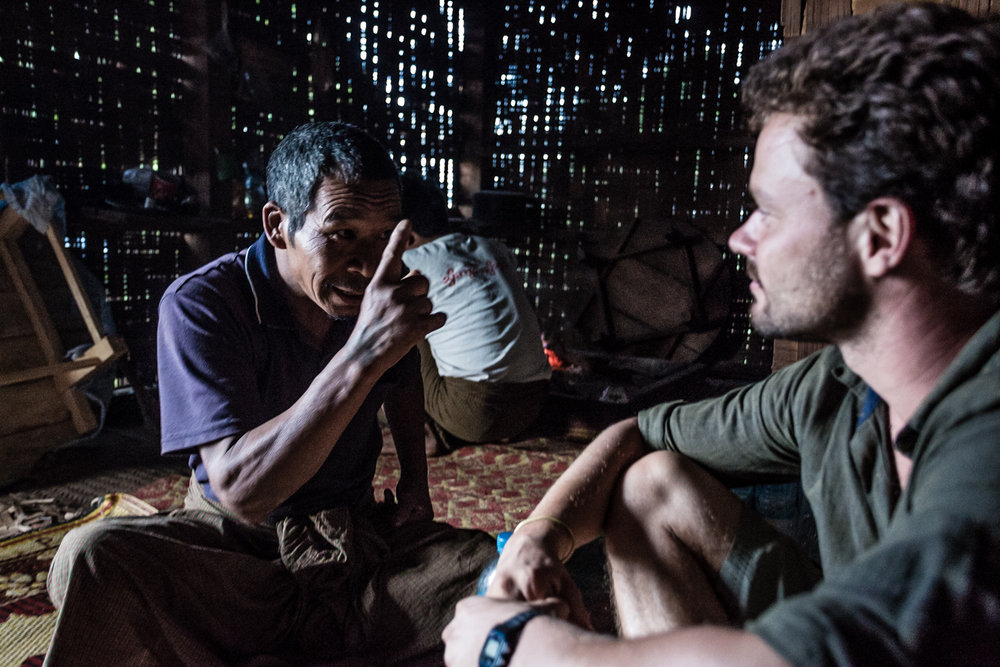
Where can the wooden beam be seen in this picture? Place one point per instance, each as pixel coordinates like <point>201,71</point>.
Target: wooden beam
<point>37,372</point>
<point>821,12</point>
<point>94,358</point>
<point>978,7</point>
<point>75,286</point>
<point>53,380</point>
<point>791,18</point>
<point>864,6</point>
<point>11,223</point>
<point>31,299</point>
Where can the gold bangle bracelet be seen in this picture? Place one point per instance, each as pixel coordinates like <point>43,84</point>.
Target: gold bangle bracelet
<point>559,522</point>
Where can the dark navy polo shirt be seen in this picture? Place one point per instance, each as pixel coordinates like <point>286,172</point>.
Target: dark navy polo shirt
<point>229,358</point>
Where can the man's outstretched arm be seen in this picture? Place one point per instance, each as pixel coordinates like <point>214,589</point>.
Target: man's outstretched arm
<point>549,640</point>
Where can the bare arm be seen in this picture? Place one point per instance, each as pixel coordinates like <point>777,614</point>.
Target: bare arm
<point>554,642</point>
<point>529,568</point>
<point>548,640</point>
<point>254,473</point>
<point>404,409</point>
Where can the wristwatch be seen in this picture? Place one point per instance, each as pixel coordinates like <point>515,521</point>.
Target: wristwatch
<point>502,640</point>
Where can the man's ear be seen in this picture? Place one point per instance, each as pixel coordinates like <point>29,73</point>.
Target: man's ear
<point>274,228</point>
<point>886,231</point>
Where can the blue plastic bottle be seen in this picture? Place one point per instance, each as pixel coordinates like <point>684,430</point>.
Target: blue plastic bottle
<point>487,576</point>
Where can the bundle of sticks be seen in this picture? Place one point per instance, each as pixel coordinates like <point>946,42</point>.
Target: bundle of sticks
<point>21,515</point>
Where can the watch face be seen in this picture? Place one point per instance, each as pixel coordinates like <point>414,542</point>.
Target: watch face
<point>493,645</point>
<point>495,650</point>
<point>502,639</point>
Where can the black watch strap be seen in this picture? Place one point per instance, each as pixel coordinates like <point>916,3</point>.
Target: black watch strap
<point>502,639</point>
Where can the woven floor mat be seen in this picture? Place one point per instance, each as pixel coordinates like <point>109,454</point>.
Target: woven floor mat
<point>44,506</point>
<point>490,487</point>
<point>27,617</point>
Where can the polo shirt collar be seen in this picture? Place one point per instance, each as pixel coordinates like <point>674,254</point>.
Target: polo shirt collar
<point>980,349</point>
<point>261,269</point>
<point>867,399</point>
<point>843,374</point>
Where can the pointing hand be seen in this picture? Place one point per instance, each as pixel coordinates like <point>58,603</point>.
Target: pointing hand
<point>395,312</point>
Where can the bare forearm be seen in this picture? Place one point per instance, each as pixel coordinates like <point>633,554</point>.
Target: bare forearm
<point>269,463</point>
<point>581,495</point>
<point>550,641</point>
<point>404,410</point>
<point>570,514</point>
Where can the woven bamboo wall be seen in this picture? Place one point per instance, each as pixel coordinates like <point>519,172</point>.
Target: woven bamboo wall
<point>625,111</point>
<point>621,114</point>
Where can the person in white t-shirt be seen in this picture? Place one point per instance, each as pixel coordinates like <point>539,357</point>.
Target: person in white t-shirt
<point>485,372</point>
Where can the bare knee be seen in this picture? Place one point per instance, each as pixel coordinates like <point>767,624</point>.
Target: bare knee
<point>658,483</point>
<point>666,495</point>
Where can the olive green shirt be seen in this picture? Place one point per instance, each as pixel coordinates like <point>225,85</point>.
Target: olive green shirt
<point>910,576</point>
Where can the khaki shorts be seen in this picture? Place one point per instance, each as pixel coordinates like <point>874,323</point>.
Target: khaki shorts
<point>473,412</point>
<point>765,566</point>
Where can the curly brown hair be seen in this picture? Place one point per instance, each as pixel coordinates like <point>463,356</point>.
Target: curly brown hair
<point>902,102</point>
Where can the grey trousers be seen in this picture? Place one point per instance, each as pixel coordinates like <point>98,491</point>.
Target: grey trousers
<point>197,586</point>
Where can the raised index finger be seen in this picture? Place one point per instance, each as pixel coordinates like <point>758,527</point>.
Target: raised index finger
<point>390,267</point>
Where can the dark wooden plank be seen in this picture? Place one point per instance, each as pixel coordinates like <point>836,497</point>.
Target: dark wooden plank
<point>821,12</point>
<point>791,18</point>
<point>21,351</point>
<point>979,7</point>
<point>974,7</point>
<point>19,451</point>
<point>28,405</point>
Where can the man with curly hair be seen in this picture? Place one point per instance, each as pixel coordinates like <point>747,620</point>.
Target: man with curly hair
<point>877,187</point>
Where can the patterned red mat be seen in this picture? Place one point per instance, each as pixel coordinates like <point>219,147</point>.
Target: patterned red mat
<point>490,487</point>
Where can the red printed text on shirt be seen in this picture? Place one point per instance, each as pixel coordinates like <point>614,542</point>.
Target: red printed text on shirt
<point>452,276</point>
